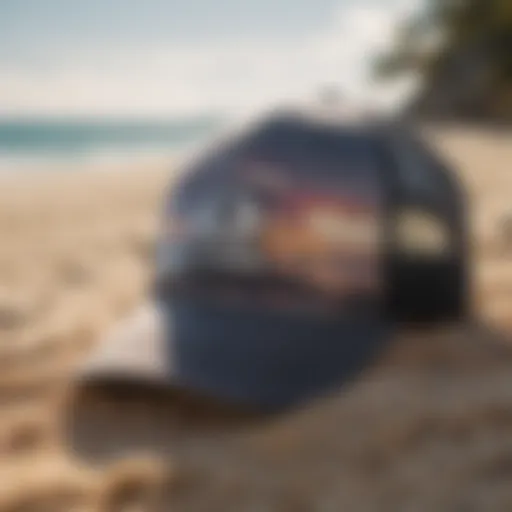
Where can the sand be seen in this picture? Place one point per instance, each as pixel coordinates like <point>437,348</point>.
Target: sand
<point>428,427</point>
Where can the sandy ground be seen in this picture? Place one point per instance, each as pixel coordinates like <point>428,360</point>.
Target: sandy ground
<point>429,427</point>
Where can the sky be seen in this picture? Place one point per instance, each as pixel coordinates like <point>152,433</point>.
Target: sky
<point>161,58</point>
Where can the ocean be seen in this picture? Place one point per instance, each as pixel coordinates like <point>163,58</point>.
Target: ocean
<point>34,145</point>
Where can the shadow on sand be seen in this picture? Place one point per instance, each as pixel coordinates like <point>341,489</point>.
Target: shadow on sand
<point>116,419</point>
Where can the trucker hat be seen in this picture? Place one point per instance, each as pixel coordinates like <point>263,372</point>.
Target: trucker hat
<point>268,281</point>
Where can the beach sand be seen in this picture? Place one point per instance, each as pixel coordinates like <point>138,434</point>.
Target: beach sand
<point>429,426</point>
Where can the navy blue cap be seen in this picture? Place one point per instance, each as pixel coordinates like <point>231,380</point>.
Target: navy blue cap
<point>268,271</point>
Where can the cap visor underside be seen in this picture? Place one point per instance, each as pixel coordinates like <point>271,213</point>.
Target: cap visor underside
<point>134,351</point>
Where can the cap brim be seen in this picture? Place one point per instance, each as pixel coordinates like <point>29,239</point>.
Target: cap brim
<point>135,351</point>
<point>236,355</point>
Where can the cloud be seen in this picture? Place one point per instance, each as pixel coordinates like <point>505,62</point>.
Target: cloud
<point>231,76</point>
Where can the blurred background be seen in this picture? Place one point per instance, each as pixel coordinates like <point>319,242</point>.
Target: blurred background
<point>98,102</point>
<point>102,80</point>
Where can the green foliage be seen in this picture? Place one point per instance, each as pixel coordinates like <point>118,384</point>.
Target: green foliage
<point>458,24</point>
<point>446,32</point>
